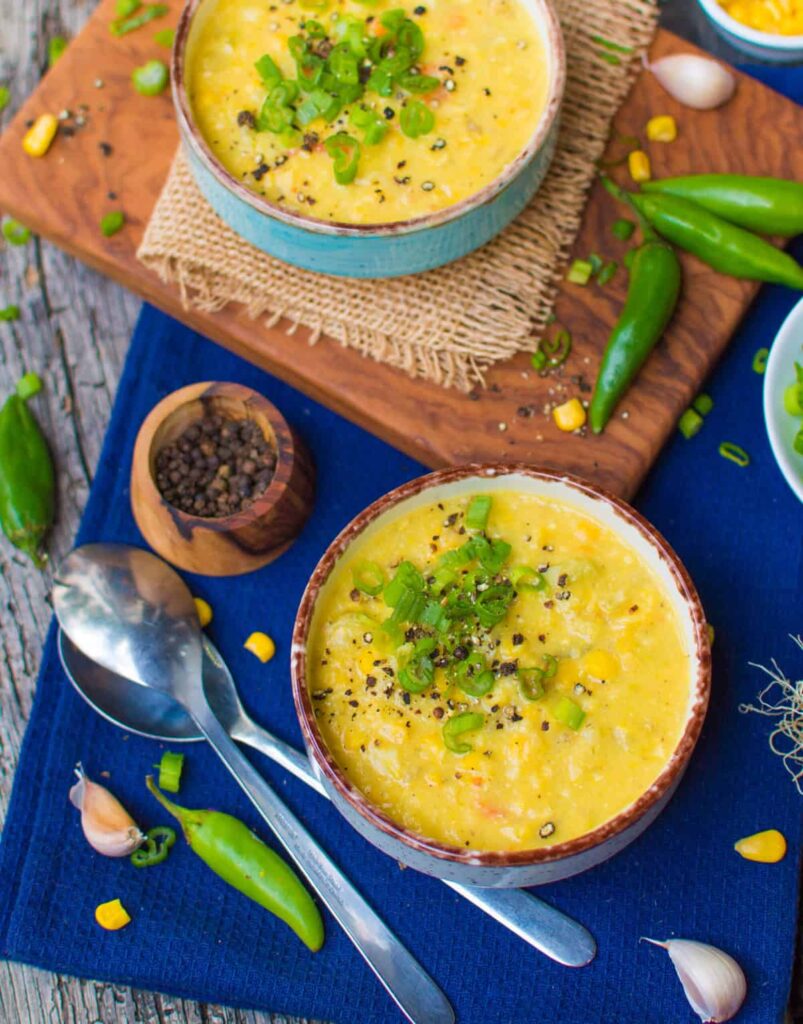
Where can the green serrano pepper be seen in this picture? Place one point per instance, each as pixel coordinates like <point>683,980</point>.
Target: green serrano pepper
<point>27,477</point>
<point>770,206</point>
<point>723,246</point>
<point>232,851</point>
<point>651,299</point>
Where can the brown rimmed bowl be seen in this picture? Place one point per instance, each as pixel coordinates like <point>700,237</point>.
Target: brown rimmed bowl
<point>235,544</point>
<point>372,250</point>
<point>545,864</point>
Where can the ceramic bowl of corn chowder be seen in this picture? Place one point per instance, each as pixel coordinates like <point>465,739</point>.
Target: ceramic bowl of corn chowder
<point>368,140</point>
<point>500,674</point>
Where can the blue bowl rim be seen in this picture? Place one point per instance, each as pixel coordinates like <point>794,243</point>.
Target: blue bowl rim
<point>193,138</point>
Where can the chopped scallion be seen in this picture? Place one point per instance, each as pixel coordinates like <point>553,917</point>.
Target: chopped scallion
<point>760,360</point>
<point>568,713</point>
<point>170,768</point>
<point>609,44</point>
<point>10,313</point>
<point>166,37</point>
<point>608,272</point>
<point>580,272</point>
<point>55,48</point>
<point>122,26</point>
<point>368,578</point>
<point>151,79</point>
<point>690,424</point>
<point>703,404</point>
<point>479,508</point>
<point>14,232</point>
<point>734,453</point>
<point>531,683</point>
<point>5,97</point>
<point>111,223</point>
<point>466,721</point>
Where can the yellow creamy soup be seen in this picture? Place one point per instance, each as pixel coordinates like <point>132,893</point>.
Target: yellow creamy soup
<point>481,76</point>
<point>533,684</point>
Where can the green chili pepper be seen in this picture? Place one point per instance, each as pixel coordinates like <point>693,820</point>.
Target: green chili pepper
<point>151,79</point>
<point>651,299</point>
<point>27,477</point>
<point>416,119</point>
<point>232,851</point>
<point>157,845</point>
<point>170,769</point>
<point>770,206</point>
<point>723,246</point>
<point>345,151</point>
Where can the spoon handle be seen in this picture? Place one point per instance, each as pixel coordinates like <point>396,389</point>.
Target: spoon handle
<point>406,981</point>
<point>544,927</point>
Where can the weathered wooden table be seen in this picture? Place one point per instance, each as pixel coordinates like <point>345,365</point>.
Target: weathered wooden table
<point>74,330</point>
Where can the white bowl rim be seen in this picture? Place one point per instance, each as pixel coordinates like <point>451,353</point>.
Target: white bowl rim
<point>768,40</point>
<point>192,137</point>
<point>774,385</point>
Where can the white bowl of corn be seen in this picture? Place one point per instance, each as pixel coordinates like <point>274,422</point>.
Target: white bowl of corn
<point>771,30</point>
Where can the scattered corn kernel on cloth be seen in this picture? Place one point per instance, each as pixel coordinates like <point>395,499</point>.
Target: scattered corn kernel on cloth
<point>738,531</point>
<point>446,325</point>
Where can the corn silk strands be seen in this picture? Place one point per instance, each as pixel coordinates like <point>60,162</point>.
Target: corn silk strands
<point>782,700</point>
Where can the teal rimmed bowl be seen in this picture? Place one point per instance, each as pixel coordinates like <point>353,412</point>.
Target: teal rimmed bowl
<point>374,250</point>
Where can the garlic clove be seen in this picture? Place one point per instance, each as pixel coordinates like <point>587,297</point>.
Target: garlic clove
<point>109,828</point>
<point>714,983</point>
<point>698,82</point>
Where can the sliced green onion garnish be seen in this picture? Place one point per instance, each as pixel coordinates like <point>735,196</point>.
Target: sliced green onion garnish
<point>394,632</point>
<point>442,578</point>
<point>524,577</point>
<point>793,399</point>
<point>416,119</point>
<point>170,768</point>
<point>623,229</point>
<point>477,685</point>
<point>344,149</point>
<point>690,424</point>
<point>417,675</point>
<point>55,48</point>
<point>435,616</point>
<point>9,313</point>
<point>550,665</point>
<point>580,272</point>
<point>596,261</point>
<point>406,577</point>
<point>797,444</point>
<point>5,97</point>
<point>479,508</point>
<point>556,349</point>
<point>608,272</point>
<point>703,404</point>
<point>568,713</point>
<point>111,223</point>
<point>466,721</point>
<point>609,44</point>
<point>29,385</point>
<point>122,26</point>
<point>151,79</point>
<point>492,604</point>
<point>268,71</point>
<point>14,232</point>
<point>124,8</point>
<point>368,578</point>
<point>760,360</point>
<point>166,37</point>
<point>417,83</point>
<point>531,683</point>
<point>731,451</point>
<point>538,360</point>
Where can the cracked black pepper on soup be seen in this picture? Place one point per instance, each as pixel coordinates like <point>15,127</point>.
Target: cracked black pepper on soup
<point>216,467</point>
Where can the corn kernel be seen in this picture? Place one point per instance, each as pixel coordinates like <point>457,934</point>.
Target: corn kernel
<point>260,645</point>
<point>569,416</point>
<point>204,610</point>
<point>638,164</point>
<point>600,665</point>
<point>662,128</point>
<point>39,136</point>
<point>766,847</point>
<point>112,915</point>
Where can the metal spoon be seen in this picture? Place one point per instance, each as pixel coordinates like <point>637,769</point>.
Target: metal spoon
<point>130,612</point>
<point>151,714</point>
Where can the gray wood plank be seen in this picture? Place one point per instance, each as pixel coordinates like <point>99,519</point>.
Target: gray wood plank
<point>74,330</point>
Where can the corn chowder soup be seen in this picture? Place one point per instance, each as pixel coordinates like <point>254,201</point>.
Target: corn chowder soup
<point>366,113</point>
<point>498,673</point>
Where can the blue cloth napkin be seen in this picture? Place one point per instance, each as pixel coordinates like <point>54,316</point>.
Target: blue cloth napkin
<point>738,531</point>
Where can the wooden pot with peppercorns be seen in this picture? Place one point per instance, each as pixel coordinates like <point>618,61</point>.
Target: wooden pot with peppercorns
<point>220,483</point>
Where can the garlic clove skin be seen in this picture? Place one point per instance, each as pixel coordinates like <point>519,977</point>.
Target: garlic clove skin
<point>109,828</point>
<point>714,983</point>
<point>695,81</point>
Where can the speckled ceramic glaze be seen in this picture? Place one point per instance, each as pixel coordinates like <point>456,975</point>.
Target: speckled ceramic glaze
<point>373,251</point>
<point>546,864</point>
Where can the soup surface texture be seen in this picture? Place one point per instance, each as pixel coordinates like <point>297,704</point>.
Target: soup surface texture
<point>574,677</point>
<point>489,72</point>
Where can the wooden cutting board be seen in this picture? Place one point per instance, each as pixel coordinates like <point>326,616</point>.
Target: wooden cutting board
<point>64,196</point>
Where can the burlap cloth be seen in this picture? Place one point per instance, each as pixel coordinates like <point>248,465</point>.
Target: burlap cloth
<point>446,325</point>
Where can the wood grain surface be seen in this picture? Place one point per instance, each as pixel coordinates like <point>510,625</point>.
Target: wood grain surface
<point>75,330</point>
<point>64,195</point>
